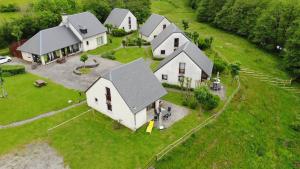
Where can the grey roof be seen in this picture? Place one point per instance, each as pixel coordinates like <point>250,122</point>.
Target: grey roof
<point>136,84</point>
<point>172,28</point>
<point>89,21</point>
<point>152,22</point>
<point>195,54</point>
<point>116,16</point>
<point>49,40</point>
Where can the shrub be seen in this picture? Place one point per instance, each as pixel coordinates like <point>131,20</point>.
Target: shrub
<point>192,103</point>
<point>109,55</point>
<point>11,70</point>
<point>206,99</point>
<point>167,85</point>
<point>118,32</point>
<point>9,8</point>
<point>206,43</point>
<point>219,65</point>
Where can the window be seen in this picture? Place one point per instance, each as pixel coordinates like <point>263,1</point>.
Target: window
<point>96,99</point>
<point>164,26</point>
<point>181,68</point>
<point>164,77</point>
<point>108,94</point>
<point>87,43</point>
<point>109,106</point>
<point>180,78</point>
<point>100,40</point>
<point>176,42</point>
<point>155,36</point>
<point>129,22</point>
<point>162,52</point>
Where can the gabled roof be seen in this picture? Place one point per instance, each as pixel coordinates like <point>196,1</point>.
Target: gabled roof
<point>172,28</point>
<point>116,16</point>
<point>150,25</point>
<point>136,84</point>
<point>49,40</point>
<point>195,54</point>
<point>88,21</point>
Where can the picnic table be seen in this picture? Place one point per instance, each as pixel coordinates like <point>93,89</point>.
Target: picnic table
<point>40,83</point>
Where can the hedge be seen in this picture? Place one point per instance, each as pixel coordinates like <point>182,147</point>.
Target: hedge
<point>11,70</point>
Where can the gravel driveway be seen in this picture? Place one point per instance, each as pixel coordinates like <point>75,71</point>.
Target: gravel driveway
<point>34,156</point>
<point>63,73</point>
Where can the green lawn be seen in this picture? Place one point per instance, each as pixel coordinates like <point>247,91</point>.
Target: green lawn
<point>254,132</point>
<point>126,55</point>
<point>91,142</point>
<point>116,42</point>
<point>25,100</point>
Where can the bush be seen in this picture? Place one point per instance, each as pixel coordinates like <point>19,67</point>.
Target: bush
<point>206,43</point>
<point>109,55</point>
<point>9,8</point>
<point>167,85</point>
<point>206,99</point>
<point>118,32</point>
<point>11,70</point>
<point>219,65</point>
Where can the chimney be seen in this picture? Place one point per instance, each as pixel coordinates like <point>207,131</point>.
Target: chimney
<point>64,18</point>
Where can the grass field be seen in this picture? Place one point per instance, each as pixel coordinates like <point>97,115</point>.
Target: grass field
<point>25,100</point>
<point>255,131</point>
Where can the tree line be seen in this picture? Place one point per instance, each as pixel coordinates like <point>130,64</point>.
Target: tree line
<point>47,13</point>
<point>274,25</point>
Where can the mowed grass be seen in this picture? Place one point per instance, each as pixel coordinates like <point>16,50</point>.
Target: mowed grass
<point>91,141</point>
<point>116,42</point>
<point>254,132</point>
<point>26,101</point>
<point>126,55</point>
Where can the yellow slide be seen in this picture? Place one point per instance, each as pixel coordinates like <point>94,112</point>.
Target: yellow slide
<point>150,127</point>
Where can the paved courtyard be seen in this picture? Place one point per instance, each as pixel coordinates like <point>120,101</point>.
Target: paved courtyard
<point>63,73</point>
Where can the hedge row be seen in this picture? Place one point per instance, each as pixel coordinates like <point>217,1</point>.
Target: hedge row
<point>11,70</point>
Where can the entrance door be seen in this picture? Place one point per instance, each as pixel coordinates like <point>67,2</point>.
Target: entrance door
<point>36,58</point>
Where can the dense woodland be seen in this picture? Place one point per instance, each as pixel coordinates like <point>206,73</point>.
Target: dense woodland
<point>274,25</point>
<point>47,13</point>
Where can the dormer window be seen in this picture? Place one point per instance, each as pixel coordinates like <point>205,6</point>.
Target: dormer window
<point>164,26</point>
<point>83,29</point>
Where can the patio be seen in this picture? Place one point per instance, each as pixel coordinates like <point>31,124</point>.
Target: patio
<point>177,113</point>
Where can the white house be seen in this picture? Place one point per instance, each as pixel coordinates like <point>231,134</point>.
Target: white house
<point>154,25</point>
<point>76,33</point>
<point>122,19</point>
<point>187,61</point>
<point>127,94</point>
<point>168,41</point>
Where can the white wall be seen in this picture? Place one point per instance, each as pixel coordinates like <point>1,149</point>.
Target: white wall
<point>157,30</point>
<point>172,70</point>
<point>120,110</point>
<point>125,23</point>
<point>141,118</point>
<point>93,42</point>
<point>27,56</point>
<point>168,45</point>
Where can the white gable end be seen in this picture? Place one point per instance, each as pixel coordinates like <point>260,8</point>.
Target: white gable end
<point>96,98</point>
<point>171,69</point>
<point>168,45</point>
<point>125,23</point>
<point>157,30</point>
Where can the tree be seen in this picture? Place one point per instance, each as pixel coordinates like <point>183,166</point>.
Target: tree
<point>140,9</point>
<point>205,98</point>
<point>235,69</point>
<point>292,54</point>
<point>195,37</point>
<point>139,42</point>
<point>84,58</point>
<point>100,8</point>
<point>109,27</point>
<point>208,9</point>
<point>17,33</point>
<point>3,93</point>
<point>185,24</point>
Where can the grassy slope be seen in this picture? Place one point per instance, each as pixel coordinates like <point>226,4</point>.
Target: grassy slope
<point>254,132</point>
<point>91,142</point>
<point>25,101</point>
